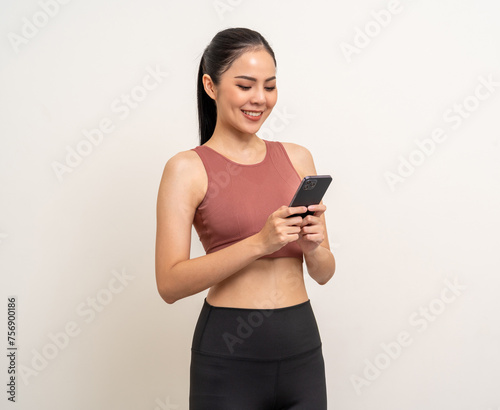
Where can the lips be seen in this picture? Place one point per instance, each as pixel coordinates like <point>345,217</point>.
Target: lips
<point>252,115</point>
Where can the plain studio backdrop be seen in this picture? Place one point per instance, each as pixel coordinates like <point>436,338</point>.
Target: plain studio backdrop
<point>397,100</point>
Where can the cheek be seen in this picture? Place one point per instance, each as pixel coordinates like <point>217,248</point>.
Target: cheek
<point>230,103</point>
<point>230,97</point>
<point>271,99</point>
<point>238,99</point>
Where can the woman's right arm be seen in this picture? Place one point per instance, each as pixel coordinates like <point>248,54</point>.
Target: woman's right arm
<point>178,276</point>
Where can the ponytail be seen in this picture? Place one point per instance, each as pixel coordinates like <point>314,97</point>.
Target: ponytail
<point>207,110</point>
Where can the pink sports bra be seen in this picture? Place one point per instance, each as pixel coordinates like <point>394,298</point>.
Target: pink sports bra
<point>240,197</point>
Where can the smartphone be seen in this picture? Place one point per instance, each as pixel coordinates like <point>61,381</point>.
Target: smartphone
<point>310,192</point>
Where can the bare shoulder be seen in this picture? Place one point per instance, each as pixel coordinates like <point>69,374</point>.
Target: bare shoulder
<point>297,151</point>
<point>186,168</point>
<point>301,158</point>
<point>184,161</point>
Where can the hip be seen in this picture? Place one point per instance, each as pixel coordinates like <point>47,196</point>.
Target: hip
<point>256,334</point>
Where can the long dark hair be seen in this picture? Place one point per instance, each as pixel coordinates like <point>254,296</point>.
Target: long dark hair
<point>223,50</point>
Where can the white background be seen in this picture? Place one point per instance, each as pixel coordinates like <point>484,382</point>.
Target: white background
<point>61,239</point>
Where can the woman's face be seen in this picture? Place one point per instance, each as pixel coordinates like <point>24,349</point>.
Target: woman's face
<point>247,92</point>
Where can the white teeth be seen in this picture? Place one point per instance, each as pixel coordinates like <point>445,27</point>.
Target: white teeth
<point>252,114</point>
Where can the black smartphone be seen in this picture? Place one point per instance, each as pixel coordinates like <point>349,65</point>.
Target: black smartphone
<point>310,192</point>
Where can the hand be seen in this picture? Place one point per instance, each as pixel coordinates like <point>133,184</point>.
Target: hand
<point>312,232</point>
<point>280,230</point>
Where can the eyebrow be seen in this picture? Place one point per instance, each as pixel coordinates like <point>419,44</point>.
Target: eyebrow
<point>245,77</point>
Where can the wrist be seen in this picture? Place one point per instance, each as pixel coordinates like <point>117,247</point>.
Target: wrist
<point>312,252</point>
<point>256,245</point>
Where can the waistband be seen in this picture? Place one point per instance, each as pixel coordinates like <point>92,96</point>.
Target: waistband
<point>256,334</point>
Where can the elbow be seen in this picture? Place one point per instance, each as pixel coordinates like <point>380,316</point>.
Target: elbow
<point>170,286</point>
<point>165,289</point>
<point>167,295</point>
<point>324,280</point>
<point>322,267</point>
<point>330,274</point>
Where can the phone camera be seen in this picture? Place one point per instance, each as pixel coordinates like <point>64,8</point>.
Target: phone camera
<point>310,184</point>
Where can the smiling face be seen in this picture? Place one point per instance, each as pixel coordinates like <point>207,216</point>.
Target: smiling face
<point>246,93</point>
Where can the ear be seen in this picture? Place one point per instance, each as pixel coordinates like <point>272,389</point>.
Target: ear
<point>209,86</point>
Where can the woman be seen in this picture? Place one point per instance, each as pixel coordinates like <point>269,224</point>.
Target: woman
<point>256,345</point>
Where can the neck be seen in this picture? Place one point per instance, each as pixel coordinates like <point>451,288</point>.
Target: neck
<point>232,140</point>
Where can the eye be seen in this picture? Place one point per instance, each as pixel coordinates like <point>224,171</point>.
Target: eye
<point>243,87</point>
<point>270,88</point>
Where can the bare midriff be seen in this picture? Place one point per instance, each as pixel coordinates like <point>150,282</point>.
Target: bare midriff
<point>267,283</point>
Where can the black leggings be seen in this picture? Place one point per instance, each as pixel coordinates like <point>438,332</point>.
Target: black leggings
<point>257,359</point>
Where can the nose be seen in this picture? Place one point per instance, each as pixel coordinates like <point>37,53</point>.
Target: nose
<point>258,96</point>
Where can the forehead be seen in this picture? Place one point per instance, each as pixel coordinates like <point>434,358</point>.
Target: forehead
<point>253,61</point>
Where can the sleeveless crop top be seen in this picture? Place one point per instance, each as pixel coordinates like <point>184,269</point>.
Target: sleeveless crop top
<point>240,197</point>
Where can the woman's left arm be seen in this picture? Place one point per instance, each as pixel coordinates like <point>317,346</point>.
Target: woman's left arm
<point>313,237</point>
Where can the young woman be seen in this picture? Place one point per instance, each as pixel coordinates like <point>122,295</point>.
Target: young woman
<point>256,344</point>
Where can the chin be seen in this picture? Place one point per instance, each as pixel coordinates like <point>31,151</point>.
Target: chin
<point>252,130</point>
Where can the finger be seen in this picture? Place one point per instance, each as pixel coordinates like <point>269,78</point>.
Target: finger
<point>318,209</point>
<point>297,209</point>
<point>294,220</point>
<point>293,233</point>
<point>316,228</point>
<point>291,210</point>
<point>311,220</point>
<point>289,227</point>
